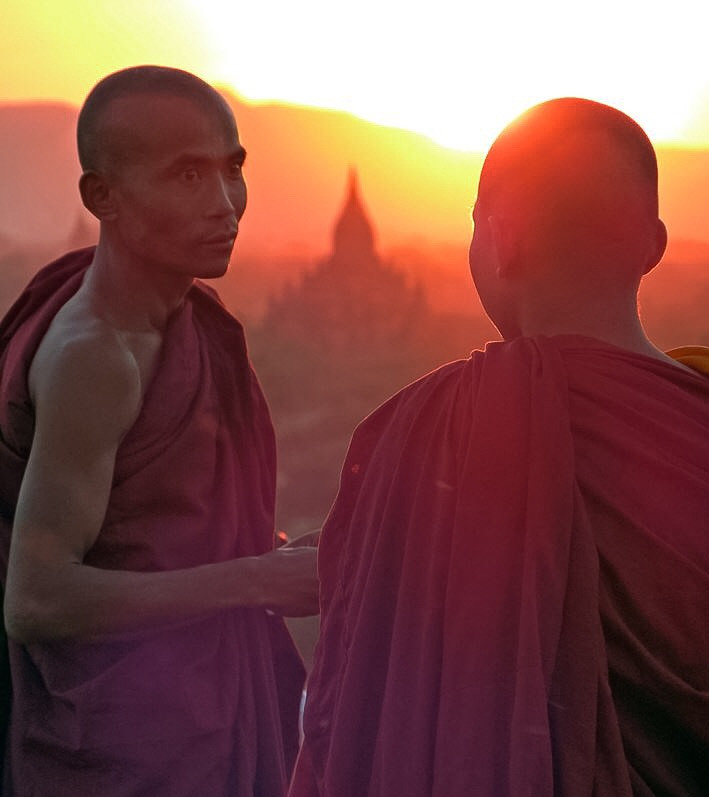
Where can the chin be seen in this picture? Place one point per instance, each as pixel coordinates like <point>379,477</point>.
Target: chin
<point>212,271</point>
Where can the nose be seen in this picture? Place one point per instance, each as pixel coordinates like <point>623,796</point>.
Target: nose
<point>227,197</point>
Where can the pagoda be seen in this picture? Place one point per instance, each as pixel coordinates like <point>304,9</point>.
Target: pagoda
<point>352,299</point>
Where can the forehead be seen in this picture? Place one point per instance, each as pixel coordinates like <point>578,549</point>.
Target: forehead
<point>157,126</point>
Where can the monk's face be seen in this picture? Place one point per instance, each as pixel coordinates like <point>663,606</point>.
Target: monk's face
<point>176,177</point>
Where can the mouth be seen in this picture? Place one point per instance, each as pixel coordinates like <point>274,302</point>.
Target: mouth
<point>222,240</point>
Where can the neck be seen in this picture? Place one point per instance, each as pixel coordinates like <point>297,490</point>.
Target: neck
<point>612,319</point>
<point>129,295</point>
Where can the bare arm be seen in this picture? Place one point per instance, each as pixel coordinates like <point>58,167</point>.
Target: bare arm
<point>87,395</point>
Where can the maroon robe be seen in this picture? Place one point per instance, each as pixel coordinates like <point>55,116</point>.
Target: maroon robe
<point>202,707</point>
<point>515,584</point>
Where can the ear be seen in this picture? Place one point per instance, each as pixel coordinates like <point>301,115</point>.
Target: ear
<point>659,246</point>
<point>503,245</point>
<point>97,196</point>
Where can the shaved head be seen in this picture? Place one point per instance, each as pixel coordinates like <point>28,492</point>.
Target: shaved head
<point>102,143</point>
<point>575,172</point>
<point>566,220</point>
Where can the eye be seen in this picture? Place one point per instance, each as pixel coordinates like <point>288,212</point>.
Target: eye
<point>234,169</point>
<point>190,175</point>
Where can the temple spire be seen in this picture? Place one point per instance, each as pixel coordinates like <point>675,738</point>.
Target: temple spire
<point>353,234</point>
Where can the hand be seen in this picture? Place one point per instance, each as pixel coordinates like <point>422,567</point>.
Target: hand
<point>290,581</point>
<point>309,539</point>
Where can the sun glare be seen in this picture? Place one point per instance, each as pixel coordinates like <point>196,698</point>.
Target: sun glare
<point>458,72</point>
<point>57,51</point>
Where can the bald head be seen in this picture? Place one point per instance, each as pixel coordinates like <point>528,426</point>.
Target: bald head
<point>102,142</point>
<point>575,175</point>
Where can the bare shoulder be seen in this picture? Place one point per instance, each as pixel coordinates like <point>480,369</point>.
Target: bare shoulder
<point>83,369</point>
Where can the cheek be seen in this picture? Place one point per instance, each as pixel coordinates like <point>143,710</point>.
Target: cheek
<point>159,232</point>
<point>144,212</point>
<point>476,260</point>
<point>169,217</point>
<point>471,256</point>
<point>239,196</point>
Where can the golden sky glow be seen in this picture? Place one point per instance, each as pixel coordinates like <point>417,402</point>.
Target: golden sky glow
<point>456,71</point>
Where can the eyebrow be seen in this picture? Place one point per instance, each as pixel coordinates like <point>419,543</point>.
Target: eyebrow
<point>238,154</point>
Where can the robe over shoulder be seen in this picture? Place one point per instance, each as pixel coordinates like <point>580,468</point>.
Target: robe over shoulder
<point>203,707</point>
<point>515,584</point>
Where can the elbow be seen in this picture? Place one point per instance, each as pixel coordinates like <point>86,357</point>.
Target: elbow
<point>20,625</point>
<point>25,620</point>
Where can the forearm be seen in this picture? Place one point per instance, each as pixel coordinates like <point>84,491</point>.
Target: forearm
<point>78,601</point>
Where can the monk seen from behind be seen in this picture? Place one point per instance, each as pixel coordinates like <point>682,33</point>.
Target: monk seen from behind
<point>515,573</point>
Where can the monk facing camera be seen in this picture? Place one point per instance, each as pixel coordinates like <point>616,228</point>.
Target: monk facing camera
<point>515,573</point>
<point>143,596</point>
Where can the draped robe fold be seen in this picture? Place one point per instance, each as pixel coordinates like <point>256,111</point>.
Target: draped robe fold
<point>515,584</point>
<point>202,707</point>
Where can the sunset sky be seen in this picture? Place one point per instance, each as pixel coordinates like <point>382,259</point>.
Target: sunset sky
<point>455,71</point>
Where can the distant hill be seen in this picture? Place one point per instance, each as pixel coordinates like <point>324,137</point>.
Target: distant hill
<point>674,297</point>
<point>296,171</point>
<point>684,193</point>
<point>418,194</point>
<point>297,168</point>
<point>39,199</point>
